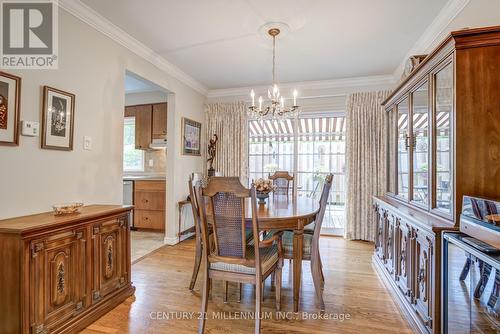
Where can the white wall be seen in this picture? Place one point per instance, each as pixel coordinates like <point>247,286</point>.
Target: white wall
<point>92,66</point>
<point>477,13</point>
<point>312,98</point>
<point>132,99</point>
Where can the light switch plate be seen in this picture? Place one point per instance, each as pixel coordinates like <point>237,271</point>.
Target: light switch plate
<point>87,142</point>
<point>151,162</point>
<point>29,128</point>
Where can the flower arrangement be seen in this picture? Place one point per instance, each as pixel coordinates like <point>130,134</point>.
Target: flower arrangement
<point>263,186</point>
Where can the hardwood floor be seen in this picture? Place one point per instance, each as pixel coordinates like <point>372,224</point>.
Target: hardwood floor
<point>352,292</point>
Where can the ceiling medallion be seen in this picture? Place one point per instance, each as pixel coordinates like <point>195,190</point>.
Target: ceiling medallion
<point>275,107</point>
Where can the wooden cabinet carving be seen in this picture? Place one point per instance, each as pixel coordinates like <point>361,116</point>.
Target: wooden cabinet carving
<point>441,135</point>
<point>403,254</point>
<point>63,272</point>
<point>423,277</point>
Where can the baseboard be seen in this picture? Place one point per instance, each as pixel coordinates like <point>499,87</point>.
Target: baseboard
<point>171,241</point>
<point>408,313</point>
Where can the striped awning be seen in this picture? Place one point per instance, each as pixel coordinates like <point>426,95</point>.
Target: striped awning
<point>317,129</point>
<point>420,122</point>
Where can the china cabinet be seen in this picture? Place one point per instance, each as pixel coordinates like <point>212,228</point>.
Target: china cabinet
<point>443,142</point>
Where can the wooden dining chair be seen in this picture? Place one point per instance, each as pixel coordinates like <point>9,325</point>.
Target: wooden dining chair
<point>195,180</point>
<point>282,181</point>
<point>311,243</point>
<point>231,257</point>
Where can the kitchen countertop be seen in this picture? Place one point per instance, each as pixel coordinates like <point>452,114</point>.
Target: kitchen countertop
<point>144,177</point>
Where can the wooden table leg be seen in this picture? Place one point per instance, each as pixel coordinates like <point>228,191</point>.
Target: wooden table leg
<point>298,240</point>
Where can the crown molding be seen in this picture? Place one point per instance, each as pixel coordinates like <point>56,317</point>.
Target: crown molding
<point>429,38</point>
<point>103,25</point>
<point>343,83</point>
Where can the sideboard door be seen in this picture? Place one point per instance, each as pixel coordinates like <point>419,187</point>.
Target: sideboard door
<point>57,271</point>
<point>403,257</point>
<point>109,250</point>
<point>423,277</point>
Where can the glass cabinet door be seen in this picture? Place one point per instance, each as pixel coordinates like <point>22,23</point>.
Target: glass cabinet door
<point>402,161</point>
<point>392,133</point>
<point>442,171</point>
<point>420,147</point>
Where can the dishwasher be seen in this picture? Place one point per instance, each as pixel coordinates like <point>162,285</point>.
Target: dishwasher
<point>128,199</point>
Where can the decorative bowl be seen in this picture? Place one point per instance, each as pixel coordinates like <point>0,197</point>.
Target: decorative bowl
<point>66,208</point>
<point>262,196</point>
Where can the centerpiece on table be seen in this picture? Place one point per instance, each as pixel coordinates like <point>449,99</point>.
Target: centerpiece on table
<point>263,187</point>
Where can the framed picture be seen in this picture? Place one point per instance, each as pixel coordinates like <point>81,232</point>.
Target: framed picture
<point>10,104</point>
<point>191,137</point>
<point>58,114</point>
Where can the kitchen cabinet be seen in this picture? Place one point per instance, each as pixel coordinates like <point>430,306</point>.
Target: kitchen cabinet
<point>63,272</point>
<point>149,203</point>
<point>143,119</point>
<point>150,123</point>
<point>159,125</point>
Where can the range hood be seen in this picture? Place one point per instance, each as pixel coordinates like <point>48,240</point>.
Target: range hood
<point>158,143</point>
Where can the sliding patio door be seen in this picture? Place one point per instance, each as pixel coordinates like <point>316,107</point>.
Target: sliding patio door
<point>310,147</point>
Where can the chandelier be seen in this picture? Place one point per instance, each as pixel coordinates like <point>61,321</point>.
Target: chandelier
<point>275,107</point>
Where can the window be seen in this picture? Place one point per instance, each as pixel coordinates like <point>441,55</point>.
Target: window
<point>133,160</point>
<point>310,147</point>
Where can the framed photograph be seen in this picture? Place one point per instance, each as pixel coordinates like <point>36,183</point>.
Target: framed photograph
<point>58,114</point>
<point>10,102</point>
<point>191,137</point>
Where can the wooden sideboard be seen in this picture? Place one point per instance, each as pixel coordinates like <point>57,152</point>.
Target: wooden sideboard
<point>443,143</point>
<point>61,273</point>
<point>408,259</point>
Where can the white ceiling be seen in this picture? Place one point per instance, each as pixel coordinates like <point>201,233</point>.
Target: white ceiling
<point>136,84</point>
<point>217,41</point>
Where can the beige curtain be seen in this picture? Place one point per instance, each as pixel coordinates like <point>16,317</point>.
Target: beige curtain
<point>365,160</point>
<point>229,122</point>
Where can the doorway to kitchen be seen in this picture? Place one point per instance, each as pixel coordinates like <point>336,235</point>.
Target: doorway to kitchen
<point>144,163</point>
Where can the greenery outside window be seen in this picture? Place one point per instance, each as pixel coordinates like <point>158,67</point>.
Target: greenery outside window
<point>133,160</point>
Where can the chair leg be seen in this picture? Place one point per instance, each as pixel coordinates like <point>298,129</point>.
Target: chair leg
<point>316,275</point>
<point>258,298</point>
<point>277,288</point>
<point>239,292</point>
<point>225,291</point>
<point>204,303</point>
<point>197,261</point>
<point>263,288</point>
<point>321,271</point>
<point>210,288</point>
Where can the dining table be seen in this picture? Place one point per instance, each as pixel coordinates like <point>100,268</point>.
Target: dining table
<point>292,213</point>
